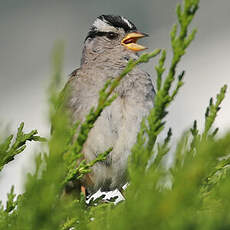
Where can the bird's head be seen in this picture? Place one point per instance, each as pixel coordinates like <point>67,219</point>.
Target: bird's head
<point>113,34</point>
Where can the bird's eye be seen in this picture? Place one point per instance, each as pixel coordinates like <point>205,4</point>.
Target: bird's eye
<point>111,35</point>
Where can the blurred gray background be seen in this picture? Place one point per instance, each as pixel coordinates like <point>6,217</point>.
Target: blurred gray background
<point>29,29</point>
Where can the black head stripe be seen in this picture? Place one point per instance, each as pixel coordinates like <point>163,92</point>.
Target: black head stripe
<point>118,22</point>
<point>94,33</point>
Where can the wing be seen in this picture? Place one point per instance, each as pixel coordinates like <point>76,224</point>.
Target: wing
<point>63,94</point>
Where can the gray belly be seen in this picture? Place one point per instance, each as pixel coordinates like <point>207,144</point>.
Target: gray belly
<point>117,127</point>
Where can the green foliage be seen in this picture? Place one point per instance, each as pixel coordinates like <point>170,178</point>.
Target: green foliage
<point>7,214</point>
<point>154,124</point>
<point>192,194</point>
<point>9,148</point>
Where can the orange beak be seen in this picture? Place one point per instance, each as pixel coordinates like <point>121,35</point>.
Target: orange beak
<point>130,41</point>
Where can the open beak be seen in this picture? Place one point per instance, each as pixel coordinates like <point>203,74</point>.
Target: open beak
<point>130,41</point>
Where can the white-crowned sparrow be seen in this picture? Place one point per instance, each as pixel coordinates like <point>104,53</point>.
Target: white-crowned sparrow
<point>110,43</point>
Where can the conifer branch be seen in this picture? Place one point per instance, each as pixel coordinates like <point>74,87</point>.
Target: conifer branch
<point>155,120</point>
<point>77,172</point>
<point>211,112</point>
<point>10,147</point>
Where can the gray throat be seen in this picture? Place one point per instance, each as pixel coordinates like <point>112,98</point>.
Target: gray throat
<point>104,58</point>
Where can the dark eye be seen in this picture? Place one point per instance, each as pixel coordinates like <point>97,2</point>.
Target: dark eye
<point>111,35</point>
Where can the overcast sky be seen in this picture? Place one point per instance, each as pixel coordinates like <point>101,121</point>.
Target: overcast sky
<point>29,28</point>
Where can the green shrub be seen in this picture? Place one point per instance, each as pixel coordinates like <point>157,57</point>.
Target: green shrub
<point>198,195</point>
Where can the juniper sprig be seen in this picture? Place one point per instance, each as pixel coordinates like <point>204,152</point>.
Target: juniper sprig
<point>11,146</point>
<point>154,123</point>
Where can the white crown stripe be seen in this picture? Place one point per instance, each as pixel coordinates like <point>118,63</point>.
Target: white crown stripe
<point>103,26</point>
<point>127,22</point>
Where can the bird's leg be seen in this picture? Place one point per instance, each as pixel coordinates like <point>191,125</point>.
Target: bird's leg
<point>83,190</point>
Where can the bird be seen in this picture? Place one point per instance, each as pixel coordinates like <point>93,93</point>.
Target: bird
<point>109,45</point>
